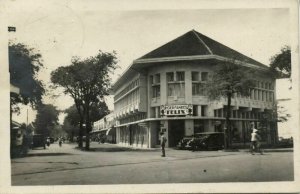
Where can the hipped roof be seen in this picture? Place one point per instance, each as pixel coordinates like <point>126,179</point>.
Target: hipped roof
<point>190,46</point>
<point>194,43</point>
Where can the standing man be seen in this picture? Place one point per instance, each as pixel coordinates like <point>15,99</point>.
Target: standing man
<point>163,141</point>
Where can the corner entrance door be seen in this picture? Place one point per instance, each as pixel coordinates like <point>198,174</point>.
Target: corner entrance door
<point>176,132</point>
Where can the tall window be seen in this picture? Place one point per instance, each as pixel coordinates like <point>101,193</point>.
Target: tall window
<point>198,89</point>
<point>204,76</point>
<point>176,89</point>
<point>195,76</point>
<point>180,76</point>
<point>203,110</point>
<point>195,110</point>
<point>177,86</point>
<point>155,85</point>
<point>151,79</point>
<point>156,91</point>
<point>266,85</point>
<point>170,76</point>
<point>157,78</point>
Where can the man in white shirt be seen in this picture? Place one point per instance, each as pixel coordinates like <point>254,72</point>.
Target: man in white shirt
<point>255,144</point>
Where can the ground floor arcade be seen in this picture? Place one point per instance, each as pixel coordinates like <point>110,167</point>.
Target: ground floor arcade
<point>145,133</point>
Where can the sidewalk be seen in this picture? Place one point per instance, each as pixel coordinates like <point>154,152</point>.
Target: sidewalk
<point>272,150</point>
<point>115,147</point>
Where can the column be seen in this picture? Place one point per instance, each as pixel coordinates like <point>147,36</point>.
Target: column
<point>188,87</point>
<point>163,88</point>
<point>188,127</point>
<point>199,110</point>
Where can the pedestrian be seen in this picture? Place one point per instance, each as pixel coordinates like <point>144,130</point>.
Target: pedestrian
<point>255,141</point>
<point>60,141</point>
<point>163,141</point>
<point>48,141</point>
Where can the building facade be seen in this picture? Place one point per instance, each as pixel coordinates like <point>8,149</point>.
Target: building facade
<point>164,91</point>
<point>104,129</point>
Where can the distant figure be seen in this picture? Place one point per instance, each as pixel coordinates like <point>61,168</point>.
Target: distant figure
<point>60,140</point>
<point>48,141</point>
<point>255,141</point>
<point>163,141</point>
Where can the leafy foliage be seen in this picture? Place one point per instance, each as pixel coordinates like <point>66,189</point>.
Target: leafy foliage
<point>281,63</point>
<point>72,119</point>
<point>87,81</point>
<point>24,64</point>
<point>227,79</point>
<point>46,119</point>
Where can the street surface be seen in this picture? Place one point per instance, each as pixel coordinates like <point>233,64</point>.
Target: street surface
<point>110,164</point>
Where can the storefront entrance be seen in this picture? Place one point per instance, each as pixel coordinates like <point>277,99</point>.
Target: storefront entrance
<point>176,132</point>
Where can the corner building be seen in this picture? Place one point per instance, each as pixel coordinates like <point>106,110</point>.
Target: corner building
<point>163,91</point>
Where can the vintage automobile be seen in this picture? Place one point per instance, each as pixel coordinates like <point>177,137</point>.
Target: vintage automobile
<point>38,140</point>
<point>206,141</point>
<point>51,140</point>
<point>182,143</point>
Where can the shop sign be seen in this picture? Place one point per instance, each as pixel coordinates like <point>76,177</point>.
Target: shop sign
<point>173,110</point>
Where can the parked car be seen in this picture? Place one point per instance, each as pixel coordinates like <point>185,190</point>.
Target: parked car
<point>206,141</point>
<point>182,143</point>
<point>285,142</point>
<point>38,141</point>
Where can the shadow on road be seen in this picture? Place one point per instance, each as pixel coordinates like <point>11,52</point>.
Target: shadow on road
<point>47,154</point>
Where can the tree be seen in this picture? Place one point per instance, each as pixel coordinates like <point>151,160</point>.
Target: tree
<point>86,81</point>
<point>281,63</point>
<point>57,131</point>
<point>71,130</point>
<point>98,111</point>
<point>24,65</point>
<point>228,79</point>
<point>46,119</point>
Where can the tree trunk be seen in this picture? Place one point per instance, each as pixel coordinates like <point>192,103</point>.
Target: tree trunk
<point>72,136</point>
<point>87,141</point>
<point>80,134</point>
<point>80,124</point>
<point>228,125</point>
<point>88,127</point>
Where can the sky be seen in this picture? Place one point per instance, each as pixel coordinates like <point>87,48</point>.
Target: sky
<point>62,29</point>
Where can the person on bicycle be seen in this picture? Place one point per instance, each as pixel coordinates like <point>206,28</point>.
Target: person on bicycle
<point>255,141</point>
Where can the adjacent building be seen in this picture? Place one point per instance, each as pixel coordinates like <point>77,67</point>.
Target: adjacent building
<point>105,128</point>
<point>163,91</point>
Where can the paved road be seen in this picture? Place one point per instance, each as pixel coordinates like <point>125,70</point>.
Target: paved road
<point>111,165</point>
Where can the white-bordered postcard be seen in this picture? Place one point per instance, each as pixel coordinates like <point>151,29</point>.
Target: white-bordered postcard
<point>149,96</point>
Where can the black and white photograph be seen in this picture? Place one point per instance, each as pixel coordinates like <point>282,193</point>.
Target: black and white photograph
<point>149,97</point>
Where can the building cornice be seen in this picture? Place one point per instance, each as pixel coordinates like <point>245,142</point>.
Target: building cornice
<point>183,118</point>
<point>190,58</point>
<point>196,57</point>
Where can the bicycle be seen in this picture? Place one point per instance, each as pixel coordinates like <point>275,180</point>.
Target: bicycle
<point>256,147</point>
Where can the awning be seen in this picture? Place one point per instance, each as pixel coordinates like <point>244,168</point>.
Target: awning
<point>108,130</point>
